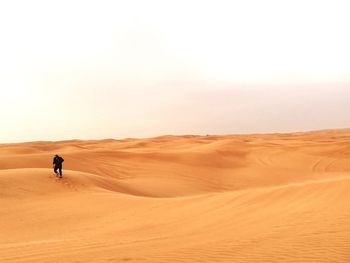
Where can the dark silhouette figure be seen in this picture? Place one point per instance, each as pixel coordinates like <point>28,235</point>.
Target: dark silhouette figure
<point>57,165</point>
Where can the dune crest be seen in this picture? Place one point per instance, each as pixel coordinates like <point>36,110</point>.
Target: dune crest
<point>232,198</point>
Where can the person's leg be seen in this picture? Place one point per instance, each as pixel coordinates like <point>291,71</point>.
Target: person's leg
<point>55,169</point>
<point>60,169</point>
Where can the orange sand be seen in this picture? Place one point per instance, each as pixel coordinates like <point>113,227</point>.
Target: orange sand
<point>234,198</point>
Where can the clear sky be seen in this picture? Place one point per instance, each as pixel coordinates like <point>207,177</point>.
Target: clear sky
<point>102,69</point>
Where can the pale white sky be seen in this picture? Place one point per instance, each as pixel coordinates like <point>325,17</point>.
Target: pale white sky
<point>98,69</point>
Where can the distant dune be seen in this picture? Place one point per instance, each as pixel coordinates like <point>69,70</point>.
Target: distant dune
<point>232,198</point>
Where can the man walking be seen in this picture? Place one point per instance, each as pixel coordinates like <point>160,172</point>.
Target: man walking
<point>57,165</point>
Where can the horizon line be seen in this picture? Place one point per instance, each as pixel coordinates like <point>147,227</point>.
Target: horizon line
<point>183,135</point>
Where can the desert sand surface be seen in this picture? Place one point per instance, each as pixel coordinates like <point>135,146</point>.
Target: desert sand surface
<point>231,198</point>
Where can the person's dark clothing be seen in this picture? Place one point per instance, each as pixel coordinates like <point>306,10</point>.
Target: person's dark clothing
<point>57,162</point>
<point>59,168</point>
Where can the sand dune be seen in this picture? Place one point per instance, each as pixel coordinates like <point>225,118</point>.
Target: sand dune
<point>232,198</point>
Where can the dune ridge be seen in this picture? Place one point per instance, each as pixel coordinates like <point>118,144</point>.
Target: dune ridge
<point>230,198</point>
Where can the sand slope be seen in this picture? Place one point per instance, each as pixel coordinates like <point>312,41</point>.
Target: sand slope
<point>242,198</point>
